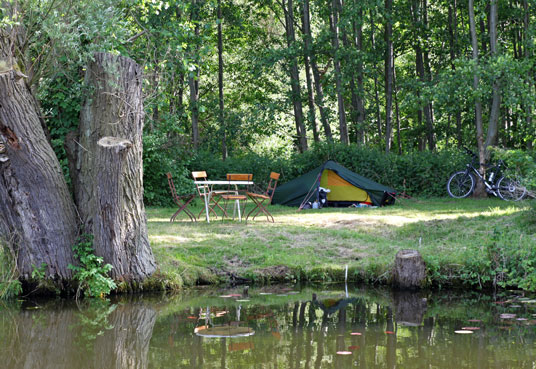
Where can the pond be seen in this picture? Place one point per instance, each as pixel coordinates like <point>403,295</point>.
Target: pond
<point>274,327</point>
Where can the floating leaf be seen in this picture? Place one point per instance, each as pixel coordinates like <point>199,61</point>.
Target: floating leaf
<point>265,293</point>
<point>235,295</point>
<point>507,316</point>
<point>352,348</point>
<point>389,332</point>
<point>243,300</point>
<point>355,334</point>
<point>344,352</point>
<point>470,328</point>
<point>192,317</point>
<point>463,332</point>
<point>225,296</point>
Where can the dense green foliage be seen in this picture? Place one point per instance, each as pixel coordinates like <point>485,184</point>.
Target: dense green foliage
<point>427,103</point>
<point>90,272</point>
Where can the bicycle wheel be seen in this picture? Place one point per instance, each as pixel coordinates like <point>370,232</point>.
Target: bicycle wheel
<point>460,185</point>
<point>510,189</point>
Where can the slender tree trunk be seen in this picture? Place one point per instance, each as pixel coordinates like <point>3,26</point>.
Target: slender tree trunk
<point>307,58</point>
<point>389,60</point>
<point>376,94</point>
<point>356,98</point>
<point>358,31</point>
<point>453,43</point>
<point>529,80</point>
<point>319,95</point>
<point>491,138</point>
<point>334,25</point>
<point>398,138</point>
<point>428,108</point>
<point>37,215</point>
<point>193,80</point>
<point>301,134</point>
<point>220,86</point>
<point>109,185</point>
<point>478,105</point>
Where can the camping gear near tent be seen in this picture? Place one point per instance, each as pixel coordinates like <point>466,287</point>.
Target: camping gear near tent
<point>346,188</point>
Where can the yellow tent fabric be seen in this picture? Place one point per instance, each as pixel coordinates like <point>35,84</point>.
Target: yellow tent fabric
<point>342,190</point>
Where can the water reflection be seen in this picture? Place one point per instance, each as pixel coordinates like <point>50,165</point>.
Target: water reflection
<point>279,327</point>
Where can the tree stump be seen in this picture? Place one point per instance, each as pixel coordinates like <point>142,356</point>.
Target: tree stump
<point>409,271</point>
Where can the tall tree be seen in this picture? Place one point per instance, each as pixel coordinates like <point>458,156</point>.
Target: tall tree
<point>478,105</point>
<point>194,75</point>
<point>301,134</point>
<point>306,29</point>
<point>319,96</point>
<point>491,137</point>
<point>334,25</point>
<point>220,85</point>
<point>389,66</point>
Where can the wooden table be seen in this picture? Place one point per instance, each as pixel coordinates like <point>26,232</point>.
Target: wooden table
<point>221,183</point>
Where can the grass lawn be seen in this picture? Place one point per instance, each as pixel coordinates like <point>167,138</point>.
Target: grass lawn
<point>454,237</point>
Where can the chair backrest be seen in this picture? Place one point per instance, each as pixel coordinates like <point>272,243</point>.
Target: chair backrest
<point>239,177</point>
<point>272,184</point>
<point>202,189</point>
<point>171,186</point>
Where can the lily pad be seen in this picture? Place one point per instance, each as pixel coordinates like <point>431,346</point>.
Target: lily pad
<point>463,331</point>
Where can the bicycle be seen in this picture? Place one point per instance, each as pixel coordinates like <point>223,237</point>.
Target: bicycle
<point>462,183</point>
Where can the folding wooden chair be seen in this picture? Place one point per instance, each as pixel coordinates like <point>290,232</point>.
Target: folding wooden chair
<point>259,198</point>
<point>234,194</point>
<point>204,190</point>
<point>181,201</point>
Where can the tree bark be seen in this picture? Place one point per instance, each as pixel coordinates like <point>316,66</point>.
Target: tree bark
<point>530,82</point>
<point>109,183</point>
<point>37,214</point>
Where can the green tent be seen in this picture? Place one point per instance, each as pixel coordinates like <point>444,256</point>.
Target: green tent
<point>346,187</point>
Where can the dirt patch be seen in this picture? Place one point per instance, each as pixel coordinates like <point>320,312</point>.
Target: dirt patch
<point>276,272</point>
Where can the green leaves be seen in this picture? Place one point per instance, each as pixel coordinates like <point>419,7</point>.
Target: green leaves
<point>91,273</point>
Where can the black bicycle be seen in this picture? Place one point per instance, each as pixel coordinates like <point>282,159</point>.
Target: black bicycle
<point>462,183</point>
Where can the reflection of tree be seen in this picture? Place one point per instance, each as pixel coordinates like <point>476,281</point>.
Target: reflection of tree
<point>59,336</point>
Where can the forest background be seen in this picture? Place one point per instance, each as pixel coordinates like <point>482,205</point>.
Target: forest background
<point>390,89</point>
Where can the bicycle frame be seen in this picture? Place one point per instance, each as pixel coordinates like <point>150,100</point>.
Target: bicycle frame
<point>490,186</point>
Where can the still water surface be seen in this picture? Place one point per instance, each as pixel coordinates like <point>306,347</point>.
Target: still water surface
<point>274,327</point>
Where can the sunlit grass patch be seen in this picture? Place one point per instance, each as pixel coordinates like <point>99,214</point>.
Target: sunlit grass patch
<point>445,231</point>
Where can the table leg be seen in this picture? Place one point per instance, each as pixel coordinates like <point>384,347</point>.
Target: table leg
<point>207,199</point>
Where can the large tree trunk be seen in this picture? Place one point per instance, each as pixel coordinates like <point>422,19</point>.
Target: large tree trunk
<point>109,183</point>
<point>37,213</point>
